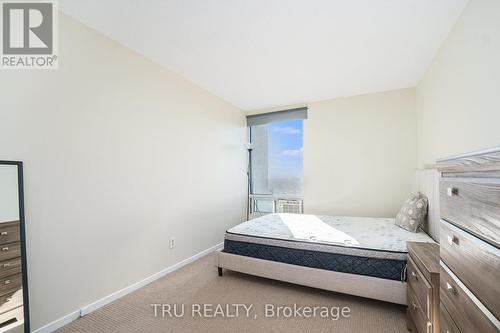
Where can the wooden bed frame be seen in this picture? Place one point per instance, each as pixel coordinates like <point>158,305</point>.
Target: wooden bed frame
<point>427,183</point>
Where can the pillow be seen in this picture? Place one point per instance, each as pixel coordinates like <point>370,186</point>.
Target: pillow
<point>412,214</point>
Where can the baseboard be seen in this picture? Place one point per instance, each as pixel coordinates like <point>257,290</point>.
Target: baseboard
<point>58,323</point>
<point>120,293</point>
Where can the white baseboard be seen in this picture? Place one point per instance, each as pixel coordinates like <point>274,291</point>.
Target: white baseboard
<point>58,323</point>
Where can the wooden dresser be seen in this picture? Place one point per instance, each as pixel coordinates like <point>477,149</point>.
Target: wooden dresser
<point>423,287</point>
<point>11,296</point>
<point>469,194</point>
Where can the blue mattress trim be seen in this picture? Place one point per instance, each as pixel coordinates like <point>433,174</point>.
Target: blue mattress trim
<point>381,268</point>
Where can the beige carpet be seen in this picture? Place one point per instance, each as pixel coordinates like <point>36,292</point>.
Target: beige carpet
<point>198,283</point>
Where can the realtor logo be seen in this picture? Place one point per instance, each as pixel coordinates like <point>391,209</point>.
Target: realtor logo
<point>28,34</point>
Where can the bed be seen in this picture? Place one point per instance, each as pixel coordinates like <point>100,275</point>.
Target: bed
<point>354,255</point>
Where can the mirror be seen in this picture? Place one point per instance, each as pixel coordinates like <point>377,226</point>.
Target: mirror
<point>13,275</point>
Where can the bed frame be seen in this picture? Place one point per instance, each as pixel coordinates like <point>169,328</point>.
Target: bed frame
<point>426,182</point>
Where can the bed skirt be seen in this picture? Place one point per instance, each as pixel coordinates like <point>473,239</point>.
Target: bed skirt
<point>352,284</point>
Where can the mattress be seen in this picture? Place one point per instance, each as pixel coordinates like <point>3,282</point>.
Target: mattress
<point>358,245</point>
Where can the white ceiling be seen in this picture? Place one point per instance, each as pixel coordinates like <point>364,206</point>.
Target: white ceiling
<point>265,53</point>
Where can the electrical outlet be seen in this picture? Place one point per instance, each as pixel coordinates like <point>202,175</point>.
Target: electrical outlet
<point>172,242</point>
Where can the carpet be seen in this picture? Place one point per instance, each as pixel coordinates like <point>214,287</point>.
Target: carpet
<point>237,302</point>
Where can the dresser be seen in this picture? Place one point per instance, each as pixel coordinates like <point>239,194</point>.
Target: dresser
<point>423,287</point>
<point>11,297</point>
<point>469,196</point>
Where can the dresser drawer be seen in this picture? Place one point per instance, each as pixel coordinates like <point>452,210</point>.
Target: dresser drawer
<point>473,204</point>
<point>447,325</point>
<point>11,316</point>
<point>420,287</point>
<point>10,251</point>
<point>475,262</point>
<point>9,232</point>
<point>466,310</point>
<point>10,284</point>
<point>416,312</point>
<point>11,301</point>
<point>10,267</point>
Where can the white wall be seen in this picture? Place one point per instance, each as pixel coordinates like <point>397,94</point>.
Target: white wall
<point>360,154</point>
<point>458,99</point>
<point>119,155</point>
<point>9,200</point>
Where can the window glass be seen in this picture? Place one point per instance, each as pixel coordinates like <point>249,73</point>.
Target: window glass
<point>277,162</point>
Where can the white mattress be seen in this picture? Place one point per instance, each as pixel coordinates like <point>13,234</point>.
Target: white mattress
<point>359,236</point>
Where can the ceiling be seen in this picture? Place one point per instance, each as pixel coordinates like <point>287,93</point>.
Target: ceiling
<point>266,53</point>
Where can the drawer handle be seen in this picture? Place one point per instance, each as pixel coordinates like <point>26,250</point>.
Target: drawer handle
<point>414,275</point>
<point>415,306</point>
<point>4,233</point>
<point>5,248</point>
<point>451,289</point>
<point>9,299</point>
<point>7,282</point>
<point>6,265</point>
<point>452,239</point>
<point>451,191</point>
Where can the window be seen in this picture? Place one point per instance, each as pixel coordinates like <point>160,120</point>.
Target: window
<point>276,160</point>
<point>277,163</point>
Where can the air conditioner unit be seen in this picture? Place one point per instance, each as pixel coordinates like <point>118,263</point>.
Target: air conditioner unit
<point>293,206</point>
